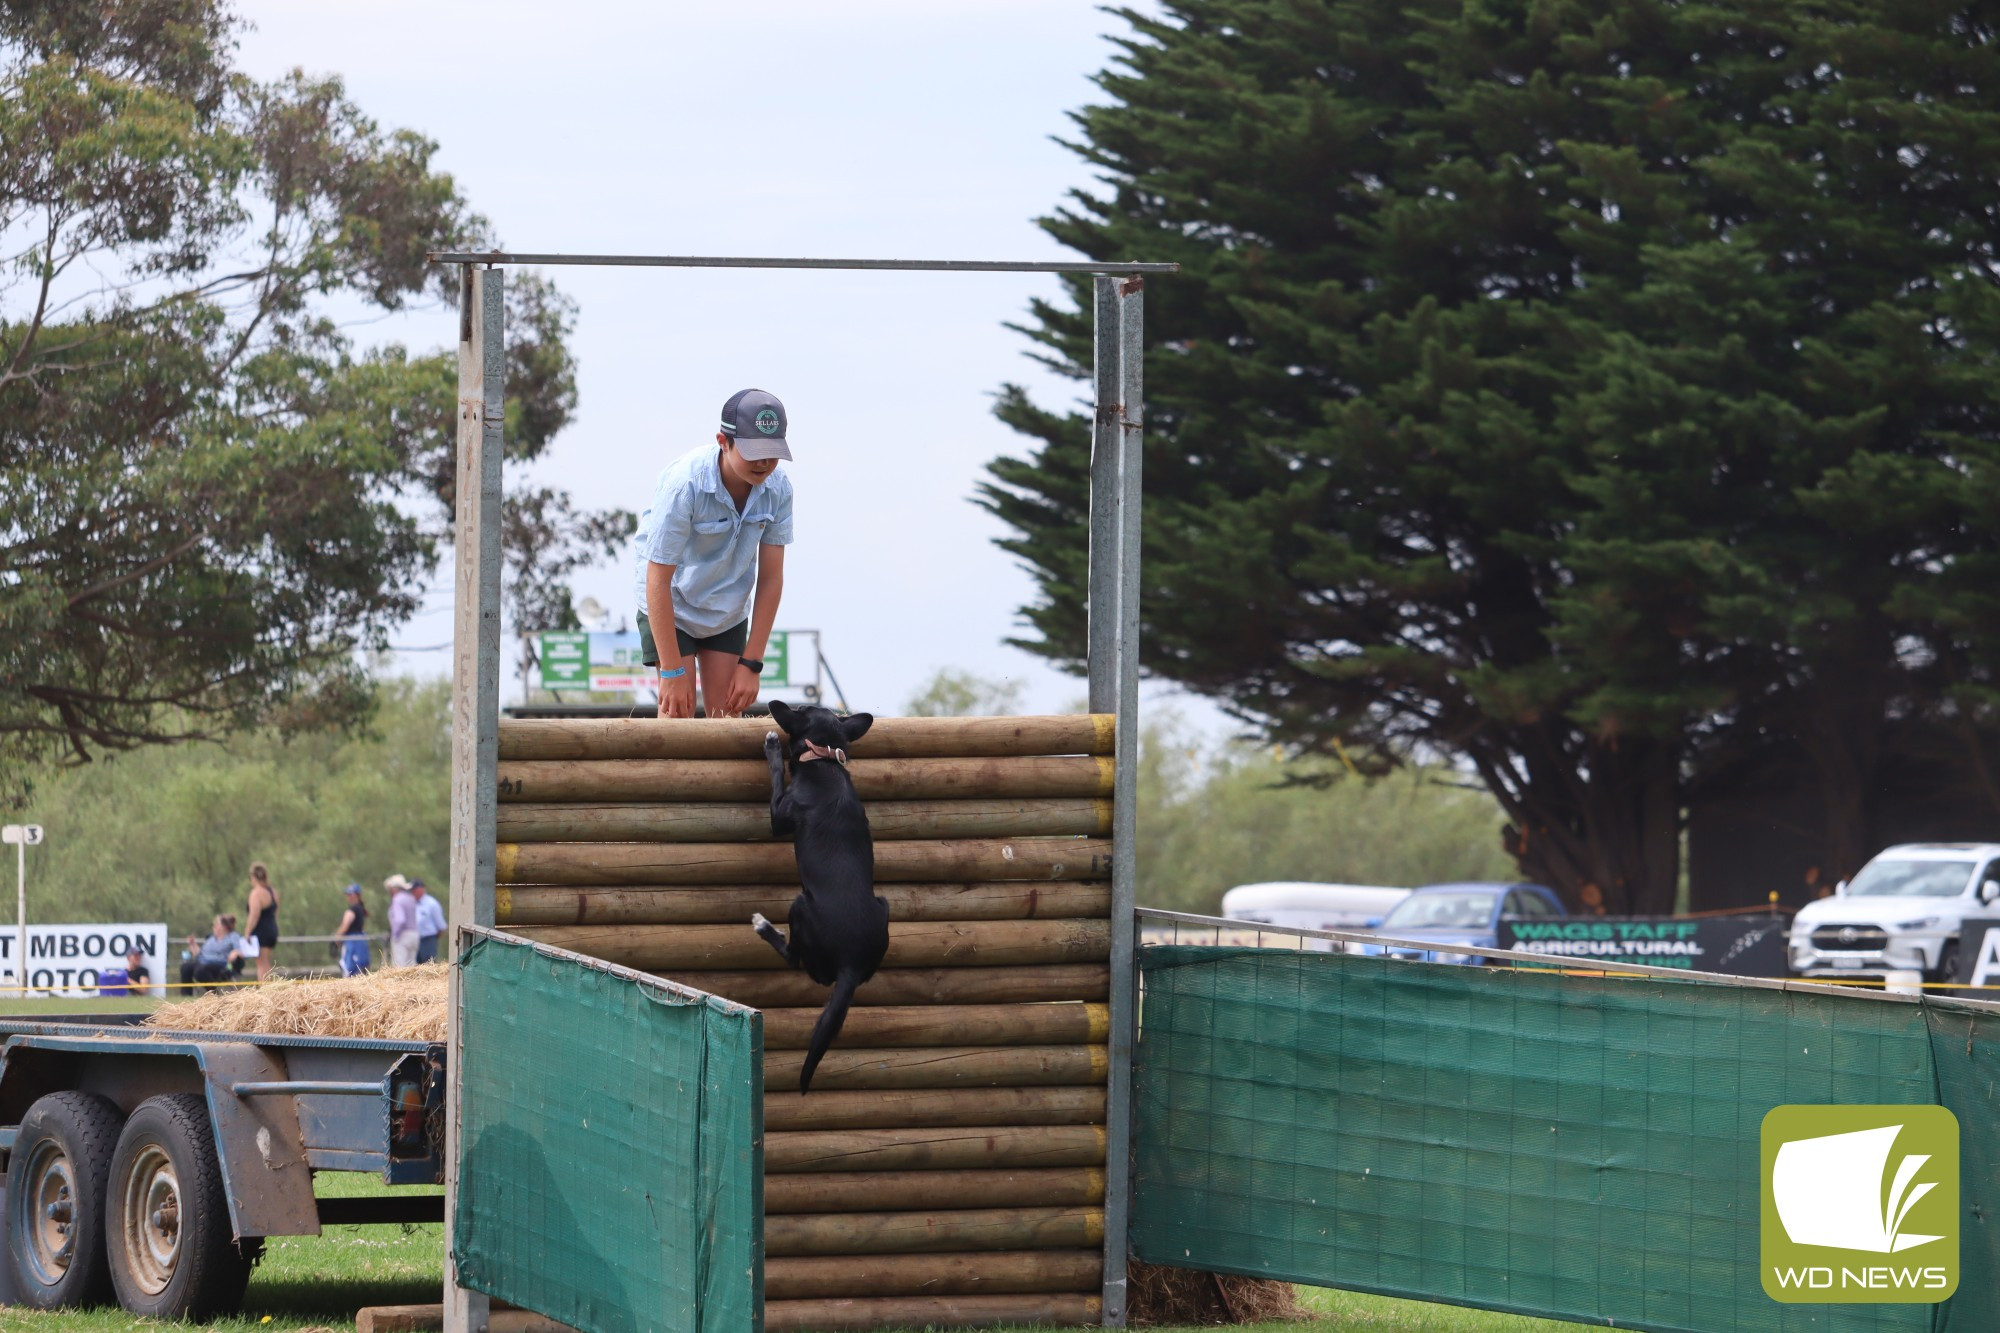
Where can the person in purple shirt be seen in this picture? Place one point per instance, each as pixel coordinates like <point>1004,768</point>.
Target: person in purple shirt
<point>402,922</point>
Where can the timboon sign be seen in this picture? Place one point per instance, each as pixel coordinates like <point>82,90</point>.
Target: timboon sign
<point>65,960</point>
<point>1741,946</point>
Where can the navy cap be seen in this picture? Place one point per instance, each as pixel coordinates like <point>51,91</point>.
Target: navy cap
<point>756,421</point>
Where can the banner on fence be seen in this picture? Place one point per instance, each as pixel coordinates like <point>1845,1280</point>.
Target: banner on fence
<point>1585,1148</point>
<point>1739,946</point>
<point>65,961</point>
<point>611,1159</point>
<point>1978,954</point>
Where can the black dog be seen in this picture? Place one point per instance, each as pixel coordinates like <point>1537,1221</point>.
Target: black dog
<point>840,929</point>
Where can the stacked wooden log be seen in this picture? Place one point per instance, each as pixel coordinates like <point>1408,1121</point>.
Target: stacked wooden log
<point>948,1166</point>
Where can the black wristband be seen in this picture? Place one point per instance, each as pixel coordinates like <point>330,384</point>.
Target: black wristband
<point>754,663</point>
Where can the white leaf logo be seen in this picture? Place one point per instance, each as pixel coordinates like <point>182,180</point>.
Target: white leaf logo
<point>1828,1191</point>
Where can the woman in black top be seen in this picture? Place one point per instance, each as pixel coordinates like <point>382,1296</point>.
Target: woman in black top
<point>263,926</point>
<point>353,931</point>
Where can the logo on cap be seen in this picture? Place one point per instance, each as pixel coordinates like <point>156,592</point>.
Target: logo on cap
<point>767,421</point>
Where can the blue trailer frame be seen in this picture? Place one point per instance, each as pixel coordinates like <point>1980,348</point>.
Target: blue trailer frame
<point>280,1109</point>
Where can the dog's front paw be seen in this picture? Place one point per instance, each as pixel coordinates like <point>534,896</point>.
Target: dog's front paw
<point>774,745</point>
<point>759,923</point>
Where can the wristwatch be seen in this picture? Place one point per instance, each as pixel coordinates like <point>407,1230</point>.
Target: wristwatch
<point>756,664</point>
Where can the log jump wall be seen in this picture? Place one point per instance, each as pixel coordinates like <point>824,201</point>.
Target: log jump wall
<point>948,1167</point>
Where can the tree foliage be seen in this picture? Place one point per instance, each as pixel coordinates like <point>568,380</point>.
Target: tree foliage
<point>955,692</point>
<point>1213,818</point>
<point>168,833</point>
<point>212,497</point>
<point>1598,391</point>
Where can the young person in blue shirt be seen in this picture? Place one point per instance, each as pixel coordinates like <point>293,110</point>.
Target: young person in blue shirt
<point>712,561</point>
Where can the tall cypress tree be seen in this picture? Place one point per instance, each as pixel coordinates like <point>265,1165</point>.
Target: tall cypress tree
<point>1595,391</point>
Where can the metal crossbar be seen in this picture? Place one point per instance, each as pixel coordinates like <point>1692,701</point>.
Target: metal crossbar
<point>500,257</point>
<point>1594,967</point>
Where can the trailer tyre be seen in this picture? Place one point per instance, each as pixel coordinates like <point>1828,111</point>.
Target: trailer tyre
<point>167,1224</point>
<point>56,1199</point>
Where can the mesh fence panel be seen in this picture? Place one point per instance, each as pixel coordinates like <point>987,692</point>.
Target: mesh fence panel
<point>1579,1148</point>
<point>612,1167</point>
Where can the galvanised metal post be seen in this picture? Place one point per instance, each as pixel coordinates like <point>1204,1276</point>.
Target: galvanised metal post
<point>1101,634</point>
<point>475,694</point>
<point>1129,315</point>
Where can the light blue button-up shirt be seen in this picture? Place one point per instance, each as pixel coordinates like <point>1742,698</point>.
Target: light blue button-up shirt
<point>693,525</point>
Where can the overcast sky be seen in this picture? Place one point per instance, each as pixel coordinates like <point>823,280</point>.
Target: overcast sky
<point>875,128</point>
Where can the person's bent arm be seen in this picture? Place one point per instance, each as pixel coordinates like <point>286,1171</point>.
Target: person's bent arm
<point>763,615</point>
<point>677,694</point>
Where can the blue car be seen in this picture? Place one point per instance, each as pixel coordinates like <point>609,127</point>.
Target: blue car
<point>1463,916</point>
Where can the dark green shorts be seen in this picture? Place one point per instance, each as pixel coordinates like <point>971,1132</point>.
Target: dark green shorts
<point>732,640</point>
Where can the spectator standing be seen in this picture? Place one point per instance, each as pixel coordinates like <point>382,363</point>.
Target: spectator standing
<point>402,922</point>
<point>212,960</point>
<point>263,918</point>
<point>430,921</point>
<point>353,932</point>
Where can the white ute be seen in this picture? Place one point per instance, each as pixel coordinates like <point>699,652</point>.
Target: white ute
<point>1901,913</point>
<point>1313,906</point>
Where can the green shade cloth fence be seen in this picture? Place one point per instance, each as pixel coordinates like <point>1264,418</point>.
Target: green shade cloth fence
<point>612,1164</point>
<point>1575,1147</point>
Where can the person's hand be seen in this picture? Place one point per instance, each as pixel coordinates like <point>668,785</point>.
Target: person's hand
<point>677,696</point>
<point>742,689</point>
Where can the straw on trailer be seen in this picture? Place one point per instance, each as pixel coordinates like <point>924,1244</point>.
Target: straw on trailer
<point>401,1004</point>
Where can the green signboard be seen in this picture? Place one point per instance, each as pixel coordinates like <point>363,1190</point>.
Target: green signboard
<point>778,660</point>
<point>565,661</point>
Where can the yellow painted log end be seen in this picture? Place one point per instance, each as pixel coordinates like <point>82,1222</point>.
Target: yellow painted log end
<point>1099,1018</point>
<point>1104,733</point>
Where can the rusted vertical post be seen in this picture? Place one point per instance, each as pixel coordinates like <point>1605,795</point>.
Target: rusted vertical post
<point>475,696</point>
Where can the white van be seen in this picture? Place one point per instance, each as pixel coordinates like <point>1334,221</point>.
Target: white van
<point>1312,906</point>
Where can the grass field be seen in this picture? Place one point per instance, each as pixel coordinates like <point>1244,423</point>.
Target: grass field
<point>10,1008</point>
<point>317,1283</point>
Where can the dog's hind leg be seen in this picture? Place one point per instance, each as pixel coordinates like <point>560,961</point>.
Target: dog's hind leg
<point>782,822</point>
<point>773,937</point>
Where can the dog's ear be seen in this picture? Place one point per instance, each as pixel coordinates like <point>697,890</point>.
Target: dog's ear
<point>855,725</point>
<point>782,714</point>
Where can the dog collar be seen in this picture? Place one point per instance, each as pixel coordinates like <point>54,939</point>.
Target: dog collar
<point>814,750</point>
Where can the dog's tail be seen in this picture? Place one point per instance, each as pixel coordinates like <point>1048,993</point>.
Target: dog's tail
<point>828,1027</point>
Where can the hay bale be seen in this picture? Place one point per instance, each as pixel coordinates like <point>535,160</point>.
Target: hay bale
<point>400,1004</point>
<point>1158,1295</point>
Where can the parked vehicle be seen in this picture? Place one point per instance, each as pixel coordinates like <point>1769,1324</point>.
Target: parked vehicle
<point>1312,906</point>
<point>147,1166</point>
<point>1901,913</point>
<point>1465,916</point>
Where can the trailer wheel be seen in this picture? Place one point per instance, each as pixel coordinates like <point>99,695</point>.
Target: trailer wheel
<point>167,1227</point>
<point>55,1200</point>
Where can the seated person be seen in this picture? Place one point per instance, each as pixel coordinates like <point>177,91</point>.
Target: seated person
<point>134,979</point>
<point>217,958</point>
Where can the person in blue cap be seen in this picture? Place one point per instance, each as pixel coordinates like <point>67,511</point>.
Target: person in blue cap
<point>711,561</point>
